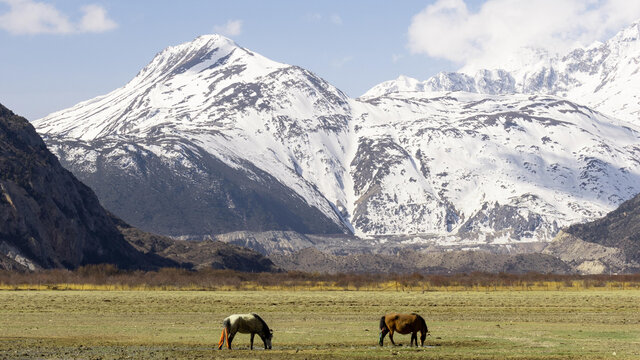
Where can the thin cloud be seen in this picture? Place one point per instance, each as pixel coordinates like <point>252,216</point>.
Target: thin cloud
<point>28,17</point>
<point>315,17</point>
<point>396,57</point>
<point>231,28</point>
<point>338,63</point>
<point>493,36</point>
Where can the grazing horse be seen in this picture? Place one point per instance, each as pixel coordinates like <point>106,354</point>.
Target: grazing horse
<point>403,324</point>
<point>246,324</point>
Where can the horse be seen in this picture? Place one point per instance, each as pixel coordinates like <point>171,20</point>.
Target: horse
<point>403,324</point>
<point>246,324</point>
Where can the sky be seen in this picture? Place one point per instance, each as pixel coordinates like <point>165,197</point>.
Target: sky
<point>54,54</point>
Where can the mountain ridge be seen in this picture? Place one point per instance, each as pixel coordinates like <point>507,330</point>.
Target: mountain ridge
<point>603,76</point>
<point>464,167</point>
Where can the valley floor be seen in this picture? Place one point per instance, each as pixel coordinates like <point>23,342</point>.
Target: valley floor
<point>587,324</point>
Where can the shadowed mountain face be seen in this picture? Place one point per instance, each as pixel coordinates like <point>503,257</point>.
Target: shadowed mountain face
<point>619,229</point>
<point>47,217</point>
<point>206,198</point>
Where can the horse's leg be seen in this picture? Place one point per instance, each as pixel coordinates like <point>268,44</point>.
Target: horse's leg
<point>391,337</point>
<point>383,333</point>
<point>252,335</point>
<point>230,339</point>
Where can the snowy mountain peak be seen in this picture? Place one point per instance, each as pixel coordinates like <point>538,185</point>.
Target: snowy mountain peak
<point>604,76</point>
<point>207,41</point>
<point>176,57</point>
<point>279,125</point>
<point>206,51</point>
<point>178,80</point>
<point>402,83</point>
<point>629,34</point>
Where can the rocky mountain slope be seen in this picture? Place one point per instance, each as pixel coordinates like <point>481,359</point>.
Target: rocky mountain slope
<point>619,229</point>
<point>47,217</point>
<point>212,138</point>
<point>313,260</point>
<point>196,254</point>
<point>603,76</point>
<point>588,257</point>
<point>610,244</point>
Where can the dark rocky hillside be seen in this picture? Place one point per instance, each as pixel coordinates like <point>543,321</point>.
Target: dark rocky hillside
<point>619,229</point>
<point>47,217</point>
<point>196,254</point>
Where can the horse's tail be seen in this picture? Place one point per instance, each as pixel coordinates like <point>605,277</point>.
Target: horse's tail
<point>383,324</point>
<point>224,336</point>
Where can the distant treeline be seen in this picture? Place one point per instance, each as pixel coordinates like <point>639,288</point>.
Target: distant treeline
<point>109,277</point>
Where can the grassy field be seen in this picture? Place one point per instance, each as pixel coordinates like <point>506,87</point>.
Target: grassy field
<point>592,324</point>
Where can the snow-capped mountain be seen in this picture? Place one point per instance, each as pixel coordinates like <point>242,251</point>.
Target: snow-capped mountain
<point>211,137</point>
<point>216,135</point>
<point>488,166</point>
<point>603,76</point>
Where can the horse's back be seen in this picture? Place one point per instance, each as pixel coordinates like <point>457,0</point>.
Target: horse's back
<point>244,323</point>
<point>402,323</point>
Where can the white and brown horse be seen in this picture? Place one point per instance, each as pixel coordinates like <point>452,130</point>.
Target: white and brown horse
<point>245,324</point>
<point>403,324</point>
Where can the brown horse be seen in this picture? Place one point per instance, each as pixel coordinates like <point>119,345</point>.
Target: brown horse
<point>403,324</point>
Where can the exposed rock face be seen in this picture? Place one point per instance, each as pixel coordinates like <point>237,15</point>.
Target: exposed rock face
<point>589,258</point>
<point>620,229</point>
<point>313,260</point>
<point>47,217</point>
<point>268,242</point>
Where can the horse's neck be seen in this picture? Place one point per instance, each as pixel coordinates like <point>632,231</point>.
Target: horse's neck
<point>264,331</point>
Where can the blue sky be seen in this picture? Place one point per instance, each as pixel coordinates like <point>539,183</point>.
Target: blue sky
<point>75,50</point>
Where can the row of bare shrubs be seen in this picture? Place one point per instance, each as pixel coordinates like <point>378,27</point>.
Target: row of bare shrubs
<point>216,279</point>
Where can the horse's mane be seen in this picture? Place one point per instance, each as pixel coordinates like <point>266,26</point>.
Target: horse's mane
<point>424,323</point>
<point>266,327</point>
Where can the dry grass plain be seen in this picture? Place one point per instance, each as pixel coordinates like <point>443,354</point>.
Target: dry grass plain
<point>582,324</point>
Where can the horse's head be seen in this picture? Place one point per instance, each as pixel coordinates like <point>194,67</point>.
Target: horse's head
<point>425,332</point>
<point>267,339</point>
